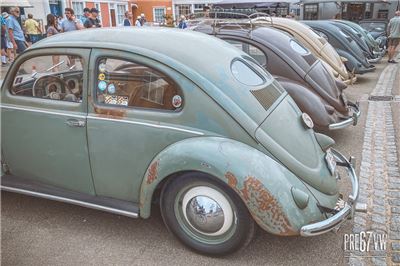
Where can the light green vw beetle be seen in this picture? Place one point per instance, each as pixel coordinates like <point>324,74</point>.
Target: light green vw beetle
<point>115,119</point>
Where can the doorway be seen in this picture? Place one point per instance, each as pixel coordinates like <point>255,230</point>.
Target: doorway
<point>112,15</point>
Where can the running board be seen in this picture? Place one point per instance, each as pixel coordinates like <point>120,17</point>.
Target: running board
<point>36,189</point>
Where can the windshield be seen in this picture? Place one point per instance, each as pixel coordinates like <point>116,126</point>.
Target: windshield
<point>374,26</point>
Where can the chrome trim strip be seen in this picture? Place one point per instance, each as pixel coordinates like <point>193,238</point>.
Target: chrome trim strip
<point>41,111</point>
<point>145,124</point>
<point>350,121</point>
<point>347,211</point>
<point>101,118</point>
<point>71,201</point>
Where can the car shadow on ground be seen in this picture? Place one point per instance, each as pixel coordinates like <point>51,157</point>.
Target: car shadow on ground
<point>52,232</point>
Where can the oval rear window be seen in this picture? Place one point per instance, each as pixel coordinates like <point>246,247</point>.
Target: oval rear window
<point>298,48</point>
<point>246,75</point>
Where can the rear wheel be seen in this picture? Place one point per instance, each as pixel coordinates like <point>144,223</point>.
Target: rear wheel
<point>206,215</point>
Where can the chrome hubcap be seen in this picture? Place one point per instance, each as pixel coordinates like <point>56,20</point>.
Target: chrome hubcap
<point>207,211</point>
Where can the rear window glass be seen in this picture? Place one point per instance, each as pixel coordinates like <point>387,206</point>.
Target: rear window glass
<point>298,48</point>
<point>245,74</point>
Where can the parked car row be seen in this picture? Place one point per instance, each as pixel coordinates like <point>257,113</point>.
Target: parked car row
<point>221,138</point>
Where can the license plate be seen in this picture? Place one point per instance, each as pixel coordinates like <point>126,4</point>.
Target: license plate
<point>330,161</point>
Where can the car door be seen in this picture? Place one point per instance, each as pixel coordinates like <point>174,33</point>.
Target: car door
<point>43,126</point>
<point>137,109</point>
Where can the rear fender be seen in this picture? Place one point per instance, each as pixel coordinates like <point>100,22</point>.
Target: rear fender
<point>352,62</point>
<point>264,185</point>
<point>308,102</point>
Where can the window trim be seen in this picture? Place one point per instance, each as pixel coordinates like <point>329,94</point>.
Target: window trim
<point>43,53</point>
<point>154,14</point>
<point>264,81</point>
<point>133,108</point>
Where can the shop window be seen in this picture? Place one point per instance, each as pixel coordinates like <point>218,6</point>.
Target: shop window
<point>311,11</point>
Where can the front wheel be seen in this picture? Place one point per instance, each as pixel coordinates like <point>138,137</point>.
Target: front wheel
<point>206,215</point>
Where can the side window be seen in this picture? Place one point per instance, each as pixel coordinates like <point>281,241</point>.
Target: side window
<point>251,50</point>
<point>125,83</point>
<point>54,77</point>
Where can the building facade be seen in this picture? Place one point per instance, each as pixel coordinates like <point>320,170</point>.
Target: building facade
<point>186,7</point>
<point>349,10</point>
<point>155,11</point>
<point>111,12</point>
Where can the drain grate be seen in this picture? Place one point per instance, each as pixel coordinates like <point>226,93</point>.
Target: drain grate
<point>385,98</point>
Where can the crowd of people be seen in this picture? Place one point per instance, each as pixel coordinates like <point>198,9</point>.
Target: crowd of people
<point>16,37</point>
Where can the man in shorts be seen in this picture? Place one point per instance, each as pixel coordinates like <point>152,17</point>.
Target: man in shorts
<point>394,36</point>
<point>15,31</point>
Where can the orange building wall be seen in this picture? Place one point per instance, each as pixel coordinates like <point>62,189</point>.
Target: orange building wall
<point>105,15</point>
<point>146,7</point>
<point>89,4</point>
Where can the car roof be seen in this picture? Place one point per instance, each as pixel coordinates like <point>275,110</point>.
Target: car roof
<point>191,53</point>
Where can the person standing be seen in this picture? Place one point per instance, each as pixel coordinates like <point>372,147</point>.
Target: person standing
<point>393,36</point>
<point>182,23</point>
<point>51,25</point>
<point>3,41</point>
<point>70,23</point>
<point>93,21</point>
<point>137,23</point>
<point>86,15</point>
<point>128,18</point>
<point>32,29</point>
<point>15,31</point>
<point>143,19</point>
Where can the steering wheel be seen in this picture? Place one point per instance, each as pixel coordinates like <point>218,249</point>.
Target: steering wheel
<point>40,87</point>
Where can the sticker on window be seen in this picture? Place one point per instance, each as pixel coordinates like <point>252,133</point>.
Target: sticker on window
<point>102,85</point>
<point>116,100</point>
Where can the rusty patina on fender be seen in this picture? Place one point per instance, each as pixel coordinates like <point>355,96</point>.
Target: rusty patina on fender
<point>264,185</point>
<point>261,204</point>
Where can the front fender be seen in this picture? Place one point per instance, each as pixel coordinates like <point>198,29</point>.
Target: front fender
<point>263,184</point>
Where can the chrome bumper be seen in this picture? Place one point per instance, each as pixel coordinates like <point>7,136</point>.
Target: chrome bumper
<point>346,212</point>
<point>353,120</point>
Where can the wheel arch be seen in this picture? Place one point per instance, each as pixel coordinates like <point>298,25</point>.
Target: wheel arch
<point>260,182</point>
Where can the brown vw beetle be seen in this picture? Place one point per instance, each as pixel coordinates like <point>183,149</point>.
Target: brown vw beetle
<point>303,75</point>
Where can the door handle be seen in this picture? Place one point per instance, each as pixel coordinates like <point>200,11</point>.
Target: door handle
<point>75,123</point>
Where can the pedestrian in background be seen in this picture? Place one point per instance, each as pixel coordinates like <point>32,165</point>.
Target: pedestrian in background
<point>33,29</point>
<point>93,21</point>
<point>3,41</point>
<point>393,36</point>
<point>137,23</point>
<point>70,23</point>
<point>182,23</point>
<point>11,52</point>
<point>15,31</point>
<point>143,19</point>
<point>128,18</point>
<point>51,25</point>
<point>86,15</point>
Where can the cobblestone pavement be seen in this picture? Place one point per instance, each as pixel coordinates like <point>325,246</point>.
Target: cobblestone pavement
<point>380,175</point>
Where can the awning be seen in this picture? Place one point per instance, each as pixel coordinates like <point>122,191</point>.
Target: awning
<point>19,3</point>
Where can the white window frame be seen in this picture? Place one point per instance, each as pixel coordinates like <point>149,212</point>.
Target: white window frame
<point>76,10</point>
<point>98,7</point>
<point>122,16</point>
<point>154,14</point>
